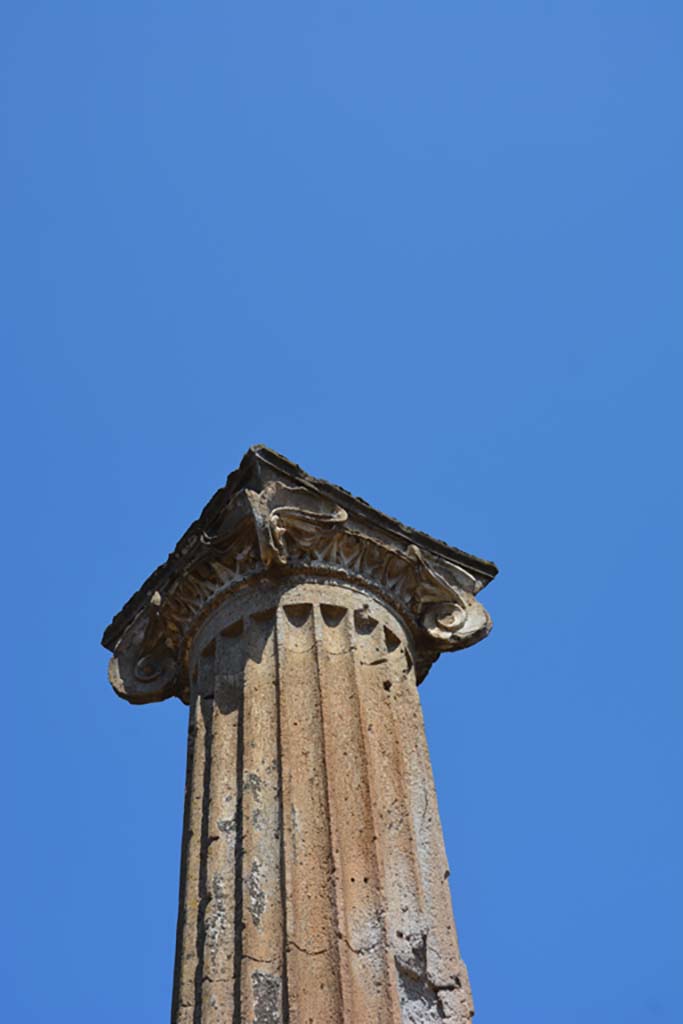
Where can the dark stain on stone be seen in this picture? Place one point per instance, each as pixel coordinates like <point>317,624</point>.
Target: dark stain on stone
<point>257,897</point>
<point>420,1004</point>
<point>257,820</point>
<point>266,989</point>
<point>253,784</point>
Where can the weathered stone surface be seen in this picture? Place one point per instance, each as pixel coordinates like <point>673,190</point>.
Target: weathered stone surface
<point>296,622</point>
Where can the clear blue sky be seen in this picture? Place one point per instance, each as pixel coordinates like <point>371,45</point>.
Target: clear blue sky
<point>433,252</point>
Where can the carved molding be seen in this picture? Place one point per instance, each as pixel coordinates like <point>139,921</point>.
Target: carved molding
<point>290,529</point>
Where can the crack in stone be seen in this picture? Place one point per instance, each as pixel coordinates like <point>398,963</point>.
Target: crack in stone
<point>362,949</point>
<point>308,952</point>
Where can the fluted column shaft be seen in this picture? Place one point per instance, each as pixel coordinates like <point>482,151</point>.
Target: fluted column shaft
<point>314,878</point>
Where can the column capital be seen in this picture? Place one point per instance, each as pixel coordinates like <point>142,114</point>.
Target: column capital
<point>272,521</point>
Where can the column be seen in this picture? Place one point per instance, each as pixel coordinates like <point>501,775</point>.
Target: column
<point>296,622</point>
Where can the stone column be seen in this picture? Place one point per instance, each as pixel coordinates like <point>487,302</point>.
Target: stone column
<point>296,622</point>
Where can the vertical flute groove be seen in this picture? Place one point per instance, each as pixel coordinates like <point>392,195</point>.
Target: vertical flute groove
<point>394,699</point>
<point>281,799</point>
<point>393,1010</point>
<point>206,712</point>
<point>183,988</point>
<point>314,988</point>
<point>335,879</point>
<point>261,991</point>
<point>239,861</point>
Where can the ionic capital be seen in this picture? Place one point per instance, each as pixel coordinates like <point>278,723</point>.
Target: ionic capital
<point>272,521</point>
